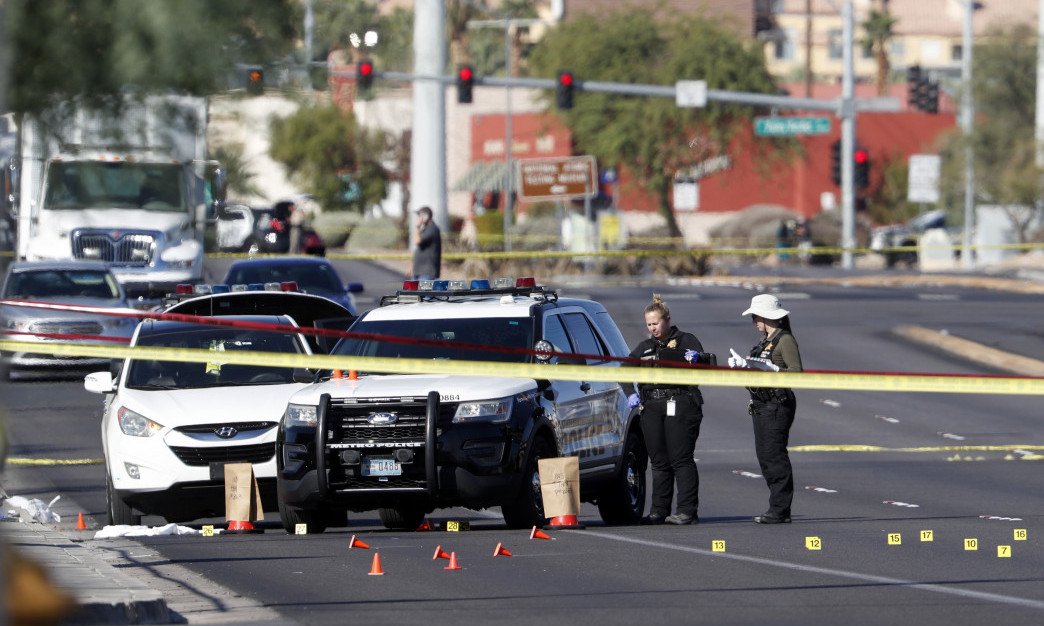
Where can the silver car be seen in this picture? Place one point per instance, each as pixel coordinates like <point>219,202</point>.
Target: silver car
<point>76,283</point>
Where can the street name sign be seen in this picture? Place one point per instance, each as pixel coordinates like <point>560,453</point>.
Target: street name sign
<point>780,126</point>
<point>557,178</point>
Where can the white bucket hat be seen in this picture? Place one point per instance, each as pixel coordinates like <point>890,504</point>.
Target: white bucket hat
<point>766,305</point>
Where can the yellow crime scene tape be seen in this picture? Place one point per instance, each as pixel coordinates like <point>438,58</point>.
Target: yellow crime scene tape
<point>852,381</point>
<point>27,461</point>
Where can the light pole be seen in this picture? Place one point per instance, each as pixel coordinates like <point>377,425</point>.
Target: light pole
<point>967,127</point>
<point>509,24</point>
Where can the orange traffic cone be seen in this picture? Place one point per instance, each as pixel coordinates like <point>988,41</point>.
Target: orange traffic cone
<point>440,554</point>
<point>424,526</point>
<point>453,562</point>
<point>337,374</point>
<point>538,534</point>
<point>353,375</point>
<point>355,543</point>
<point>565,522</point>
<point>79,522</point>
<point>375,569</point>
<point>500,550</point>
<point>236,527</point>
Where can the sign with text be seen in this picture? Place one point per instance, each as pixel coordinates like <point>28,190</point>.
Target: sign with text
<point>777,126</point>
<point>924,178</point>
<point>690,93</point>
<point>558,178</point>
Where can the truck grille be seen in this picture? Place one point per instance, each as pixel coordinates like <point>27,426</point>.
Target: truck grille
<point>71,327</point>
<point>134,249</point>
<point>201,457</point>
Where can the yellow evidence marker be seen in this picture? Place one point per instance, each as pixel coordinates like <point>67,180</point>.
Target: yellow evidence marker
<point>1020,534</point>
<point>718,545</point>
<point>300,529</point>
<point>971,544</point>
<point>454,526</point>
<point>813,543</point>
<point>1004,552</point>
<point>208,530</point>
<point>927,535</point>
<point>895,539</point>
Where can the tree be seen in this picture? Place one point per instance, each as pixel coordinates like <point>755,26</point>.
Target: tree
<point>335,159</point>
<point>651,136</point>
<point>1004,88</point>
<point>878,27</point>
<point>96,49</point>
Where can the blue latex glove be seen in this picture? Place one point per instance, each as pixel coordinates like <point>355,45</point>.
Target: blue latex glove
<point>633,400</point>
<point>691,355</point>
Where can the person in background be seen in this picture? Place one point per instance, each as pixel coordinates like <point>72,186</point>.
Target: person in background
<point>297,220</point>
<point>772,409</point>
<point>427,251</point>
<point>670,419</point>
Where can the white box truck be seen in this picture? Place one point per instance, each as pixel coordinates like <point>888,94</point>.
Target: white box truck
<point>133,189</point>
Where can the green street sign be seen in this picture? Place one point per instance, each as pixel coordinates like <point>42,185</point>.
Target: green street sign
<point>776,126</point>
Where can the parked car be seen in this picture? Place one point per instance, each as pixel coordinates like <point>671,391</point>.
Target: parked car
<point>242,228</point>
<point>315,276</point>
<point>169,427</point>
<point>406,444</point>
<point>78,283</point>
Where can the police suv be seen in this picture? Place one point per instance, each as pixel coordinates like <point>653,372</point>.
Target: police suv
<point>406,444</point>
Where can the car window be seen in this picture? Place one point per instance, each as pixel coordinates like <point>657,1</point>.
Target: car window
<point>216,372</point>
<point>62,283</point>
<point>309,278</point>
<point>584,337</point>
<point>555,332</point>
<point>482,334</point>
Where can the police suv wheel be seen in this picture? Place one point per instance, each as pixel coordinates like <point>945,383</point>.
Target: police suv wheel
<point>527,509</point>
<point>624,501</point>
<point>291,516</point>
<point>401,517</point>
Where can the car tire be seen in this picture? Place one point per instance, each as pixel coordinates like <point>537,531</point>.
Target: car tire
<point>401,517</point>
<point>527,509</point>
<point>624,501</point>
<point>291,516</point>
<point>119,512</point>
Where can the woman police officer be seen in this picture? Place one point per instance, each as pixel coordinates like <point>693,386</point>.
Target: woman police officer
<point>772,409</point>
<point>670,419</point>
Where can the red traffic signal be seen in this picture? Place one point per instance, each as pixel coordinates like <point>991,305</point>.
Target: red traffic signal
<point>860,156</point>
<point>564,90</point>
<point>364,74</point>
<point>465,81</point>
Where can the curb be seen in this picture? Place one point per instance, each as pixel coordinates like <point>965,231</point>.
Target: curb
<point>103,594</point>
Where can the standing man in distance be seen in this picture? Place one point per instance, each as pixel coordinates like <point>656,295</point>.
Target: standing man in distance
<point>427,251</point>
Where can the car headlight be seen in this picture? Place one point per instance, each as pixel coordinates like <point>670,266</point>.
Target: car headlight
<point>135,424</point>
<point>301,415</point>
<point>494,411</point>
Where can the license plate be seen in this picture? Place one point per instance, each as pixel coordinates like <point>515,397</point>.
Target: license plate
<point>381,467</point>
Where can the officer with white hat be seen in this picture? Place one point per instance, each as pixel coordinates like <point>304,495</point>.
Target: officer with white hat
<point>771,408</point>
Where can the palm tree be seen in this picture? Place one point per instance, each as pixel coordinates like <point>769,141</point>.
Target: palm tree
<point>878,28</point>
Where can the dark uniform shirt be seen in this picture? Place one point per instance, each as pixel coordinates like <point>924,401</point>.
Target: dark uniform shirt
<point>672,349</point>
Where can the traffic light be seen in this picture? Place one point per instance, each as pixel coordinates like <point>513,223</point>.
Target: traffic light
<point>255,81</point>
<point>862,168</point>
<point>364,74</point>
<point>564,90</point>
<point>465,81</point>
<point>931,97</point>
<point>835,162</point>
<point>913,84</point>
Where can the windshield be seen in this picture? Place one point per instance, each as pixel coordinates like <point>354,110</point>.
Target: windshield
<point>497,332</point>
<point>62,284</point>
<point>309,278</point>
<point>123,184</point>
<point>150,374</point>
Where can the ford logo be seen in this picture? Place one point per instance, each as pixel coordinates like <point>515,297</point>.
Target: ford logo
<point>226,432</point>
<point>382,418</point>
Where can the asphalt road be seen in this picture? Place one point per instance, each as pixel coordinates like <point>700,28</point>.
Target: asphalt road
<point>961,466</point>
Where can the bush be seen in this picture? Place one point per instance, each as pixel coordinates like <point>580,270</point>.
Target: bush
<point>334,227</point>
<point>379,233</point>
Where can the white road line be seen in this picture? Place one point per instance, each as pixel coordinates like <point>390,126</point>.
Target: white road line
<point>811,569</point>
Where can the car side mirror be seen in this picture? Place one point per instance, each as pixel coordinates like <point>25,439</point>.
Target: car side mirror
<point>304,375</point>
<point>99,382</point>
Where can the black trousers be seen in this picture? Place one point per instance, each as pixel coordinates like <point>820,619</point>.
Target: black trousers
<point>772,422</point>
<point>671,442</point>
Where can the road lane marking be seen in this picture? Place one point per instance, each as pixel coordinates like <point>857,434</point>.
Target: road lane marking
<point>812,569</point>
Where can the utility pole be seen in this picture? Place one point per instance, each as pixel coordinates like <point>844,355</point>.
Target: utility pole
<point>428,156</point>
<point>967,127</point>
<point>848,134</point>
